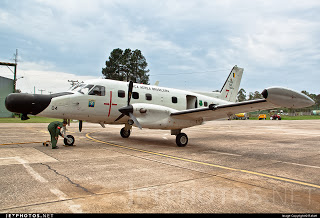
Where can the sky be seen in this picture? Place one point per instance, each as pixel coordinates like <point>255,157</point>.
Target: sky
<point>188,44</point>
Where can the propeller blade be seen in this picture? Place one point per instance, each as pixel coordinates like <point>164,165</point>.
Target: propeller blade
<point>125,111</point>
<point>135,120</point>
<point>130,92</point>
<point>80,125</point>
<point>122,115</point>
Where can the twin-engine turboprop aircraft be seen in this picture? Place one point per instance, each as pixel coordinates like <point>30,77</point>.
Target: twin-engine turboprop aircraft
<point>107,101</point>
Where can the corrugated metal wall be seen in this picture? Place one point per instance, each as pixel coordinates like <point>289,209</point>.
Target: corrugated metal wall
<point>6,87</point>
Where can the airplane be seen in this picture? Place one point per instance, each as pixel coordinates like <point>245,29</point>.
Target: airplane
<point>106,101</point>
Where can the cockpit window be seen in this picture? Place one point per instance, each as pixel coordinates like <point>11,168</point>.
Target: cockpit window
<point>85,89</point>
<point>98,91</point>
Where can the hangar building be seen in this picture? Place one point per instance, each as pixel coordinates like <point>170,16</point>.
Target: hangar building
<point>6,87</point>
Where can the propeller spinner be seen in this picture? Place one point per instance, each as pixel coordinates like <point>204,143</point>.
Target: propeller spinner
<point>128,110</point>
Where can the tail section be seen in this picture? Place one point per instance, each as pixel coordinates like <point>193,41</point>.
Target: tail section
<point>230,88</point>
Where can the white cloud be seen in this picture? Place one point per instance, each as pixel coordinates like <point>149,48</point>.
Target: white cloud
<point>76,36</point>
<point>38,76</point>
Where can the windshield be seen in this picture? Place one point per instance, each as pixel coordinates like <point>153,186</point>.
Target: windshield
<point>85,89</point>
<point>98,91</point>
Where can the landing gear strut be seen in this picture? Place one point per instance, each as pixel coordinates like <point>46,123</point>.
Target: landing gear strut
<point>126,130</point>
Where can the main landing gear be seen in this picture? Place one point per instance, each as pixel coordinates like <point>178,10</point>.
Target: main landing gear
<point>181,138</point>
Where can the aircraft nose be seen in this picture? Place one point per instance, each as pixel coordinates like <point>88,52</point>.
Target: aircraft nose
<point>27,103</point>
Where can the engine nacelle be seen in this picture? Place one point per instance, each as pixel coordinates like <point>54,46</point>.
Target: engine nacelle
<point>158,117</point>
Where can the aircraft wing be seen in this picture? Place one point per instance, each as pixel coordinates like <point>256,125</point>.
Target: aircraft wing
<point>274,97</point>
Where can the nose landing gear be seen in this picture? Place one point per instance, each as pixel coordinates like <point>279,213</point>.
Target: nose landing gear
<point>125,133</point>
<point>126,130</point>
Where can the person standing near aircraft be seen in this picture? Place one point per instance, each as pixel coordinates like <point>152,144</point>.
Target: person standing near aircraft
<point>54,129</point>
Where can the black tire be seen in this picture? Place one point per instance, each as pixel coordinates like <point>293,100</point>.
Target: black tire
<point>71,139</point>
<point>125,133</point>
<point>181,140</point>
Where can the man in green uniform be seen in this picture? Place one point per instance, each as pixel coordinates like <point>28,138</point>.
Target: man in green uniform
<point>54,130</point>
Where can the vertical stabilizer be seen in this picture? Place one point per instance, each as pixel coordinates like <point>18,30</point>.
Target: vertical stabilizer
<point>230,88</point>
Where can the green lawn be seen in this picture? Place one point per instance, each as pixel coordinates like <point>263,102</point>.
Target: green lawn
<point>311,117</point>
<point>33,119</point>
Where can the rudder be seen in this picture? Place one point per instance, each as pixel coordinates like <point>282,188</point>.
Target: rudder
<point>230,88</point>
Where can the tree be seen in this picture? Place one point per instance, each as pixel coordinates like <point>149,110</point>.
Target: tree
<point>241,95</point>
<point>255,95</point>
<point>250,96</point>
<point>126,65</point>
<point>314,97</point>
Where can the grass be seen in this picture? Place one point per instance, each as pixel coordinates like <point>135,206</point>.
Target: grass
<point>33,119</point>
<point>308,117</point>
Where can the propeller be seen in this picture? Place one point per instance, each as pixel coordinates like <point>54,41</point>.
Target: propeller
<point>128,110</point>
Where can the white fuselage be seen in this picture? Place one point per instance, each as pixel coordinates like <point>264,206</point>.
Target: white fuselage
<point>87,105</point>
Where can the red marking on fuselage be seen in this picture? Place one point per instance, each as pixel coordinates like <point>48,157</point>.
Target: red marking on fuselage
<point>110,104</point>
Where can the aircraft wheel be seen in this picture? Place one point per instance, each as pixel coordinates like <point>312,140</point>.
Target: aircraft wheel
<point>69,140</point>
<point>182,140</point>
<point>125,133</point>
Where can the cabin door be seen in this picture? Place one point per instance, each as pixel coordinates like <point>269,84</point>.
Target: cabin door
<point>192,102</point>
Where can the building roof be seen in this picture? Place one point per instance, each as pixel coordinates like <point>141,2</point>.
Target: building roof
<point>1,77</point>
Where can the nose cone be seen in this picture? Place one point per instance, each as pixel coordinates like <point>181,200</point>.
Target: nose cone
<point>27,103</point>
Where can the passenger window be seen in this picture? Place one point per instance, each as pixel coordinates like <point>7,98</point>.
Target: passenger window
<point>121,94</point>
<point>148,97</point>
<point>135,95</point>
<point>206,104</point>
<point>98,91</point>
<point>174,100</point>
